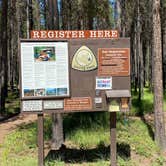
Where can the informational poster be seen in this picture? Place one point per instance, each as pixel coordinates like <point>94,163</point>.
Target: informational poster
<point>44,69</point>
<point>114,62</point>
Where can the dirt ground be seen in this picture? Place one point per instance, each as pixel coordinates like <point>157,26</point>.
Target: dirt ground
<point>11,124</point>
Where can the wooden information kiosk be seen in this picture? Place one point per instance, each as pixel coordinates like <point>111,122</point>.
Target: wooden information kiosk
<point>75,71</point>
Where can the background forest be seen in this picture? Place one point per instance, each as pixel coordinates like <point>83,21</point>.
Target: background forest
<point>144,21</point>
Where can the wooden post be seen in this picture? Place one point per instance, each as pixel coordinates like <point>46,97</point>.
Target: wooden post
<point>57,131</point>
<point>40,140</point>
<point>113,148</point>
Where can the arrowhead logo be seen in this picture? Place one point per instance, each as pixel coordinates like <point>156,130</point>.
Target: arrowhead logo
<point>84,59</point>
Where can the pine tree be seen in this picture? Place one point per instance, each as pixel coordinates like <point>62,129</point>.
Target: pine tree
<point>160,137</point>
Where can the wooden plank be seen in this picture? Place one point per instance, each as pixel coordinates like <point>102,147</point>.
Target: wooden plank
<point>40,140</point>
<point>113,148</point>
<point>118,93</point>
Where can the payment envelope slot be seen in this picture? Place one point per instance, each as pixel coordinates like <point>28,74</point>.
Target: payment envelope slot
<point>118,100</point>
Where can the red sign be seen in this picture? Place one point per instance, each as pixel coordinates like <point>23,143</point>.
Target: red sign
<point>55,34</point>
<point>78,103</point>
<point>114,62</point>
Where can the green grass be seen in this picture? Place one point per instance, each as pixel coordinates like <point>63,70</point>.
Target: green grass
<point>12,105</point>
<point>146,104</point>
<point>87,139</point>
<point>85,146</point>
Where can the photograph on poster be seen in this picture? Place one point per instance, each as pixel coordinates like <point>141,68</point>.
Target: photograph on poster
<point>61,91</point>
<point>28,92</point>
<point>44,53</point>
<point>39,92</point>
<point>51,91</point>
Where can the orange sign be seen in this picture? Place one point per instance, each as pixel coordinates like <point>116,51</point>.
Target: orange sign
<point>78,103</point>
<point>55,34</point>
<point>114,62</point>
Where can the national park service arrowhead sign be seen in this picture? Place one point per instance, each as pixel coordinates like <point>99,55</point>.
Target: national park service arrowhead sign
<point>84,59</point>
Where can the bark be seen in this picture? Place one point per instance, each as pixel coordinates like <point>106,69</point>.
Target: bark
<point>163,24</point>
<point>123,22</point>
<point>135,60</point>
<point>36,15</point>
<point>118,16</point>
<point>147,62</point>
<point>53,15</point>
<point>1,74</point>
<point>50,14</point>
<point>30,16</point>
<point>160,137</point>
<point>28,23</point>
<point>141,72</point>
<point>12,46</point>
<point>139,53</point>
<point>4,57</point>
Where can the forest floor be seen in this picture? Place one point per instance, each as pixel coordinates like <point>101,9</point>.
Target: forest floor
<point>11,124</point>
<point>133,156</point>
<point>87,139</point>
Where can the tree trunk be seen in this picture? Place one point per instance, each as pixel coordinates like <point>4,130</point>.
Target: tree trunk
<point>53,15</point>
<point>141,72</point>
<point>36,15</point>
<point>1,76</point>
<point>139,50</point>
<point>4,57</point>
<point>57,119</point>
<point>117,16</point>
<point>135,59</point>
<point>163,24</point>
<point>147,63</point>
<point>57,131</point>
<point>27,19</point>
<point>123,26</point>
<point>160,137</point>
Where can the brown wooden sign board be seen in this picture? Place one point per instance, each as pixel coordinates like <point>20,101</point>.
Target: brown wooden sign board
<point>84,72</point>
<point>95,66</point>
